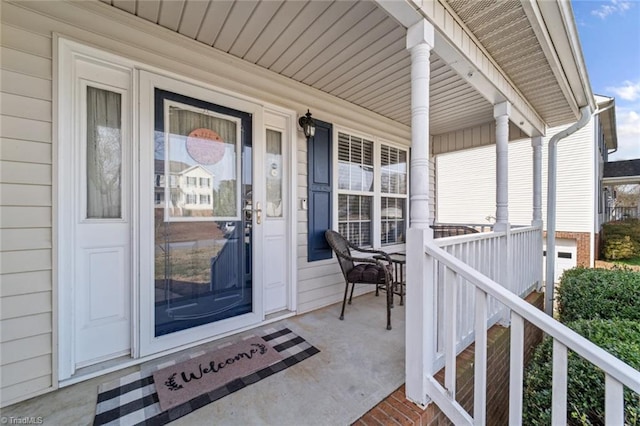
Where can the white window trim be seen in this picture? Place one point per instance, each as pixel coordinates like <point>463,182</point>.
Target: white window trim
<point>376,217</point>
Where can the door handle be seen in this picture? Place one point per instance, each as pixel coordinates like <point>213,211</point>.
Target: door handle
<point>258,211</point>
<point>248,211</point>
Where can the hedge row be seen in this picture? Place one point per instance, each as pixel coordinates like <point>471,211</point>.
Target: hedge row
<point>621,239</point>
<point>585,387</point>
<point>599,293</point>
<point>603,306</point>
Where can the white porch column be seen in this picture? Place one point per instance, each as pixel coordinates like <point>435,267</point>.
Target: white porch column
<point>501,113</point>
<point>421,302</point>
<point>536,144</point>
<point>536,220</point>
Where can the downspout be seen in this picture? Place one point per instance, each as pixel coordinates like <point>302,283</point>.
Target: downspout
<point>585,116</point>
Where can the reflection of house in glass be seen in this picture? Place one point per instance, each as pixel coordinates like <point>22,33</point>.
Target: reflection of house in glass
<point>190,189</point>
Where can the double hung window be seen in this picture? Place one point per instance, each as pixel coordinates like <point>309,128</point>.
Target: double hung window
<point>372,191</point>
<point>394,194</point>
<point>355,188</point>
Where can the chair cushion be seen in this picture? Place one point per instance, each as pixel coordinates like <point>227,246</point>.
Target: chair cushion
<point>368,273</point>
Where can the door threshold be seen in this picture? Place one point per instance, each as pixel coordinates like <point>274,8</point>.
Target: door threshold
<point>120,363</point>
<point>278,315</point>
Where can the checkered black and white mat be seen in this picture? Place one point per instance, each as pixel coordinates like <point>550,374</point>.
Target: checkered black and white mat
<point>132,400</point>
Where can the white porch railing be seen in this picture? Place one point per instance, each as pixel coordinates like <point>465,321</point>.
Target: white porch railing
<point>421,384</point>
<point>513,257</point>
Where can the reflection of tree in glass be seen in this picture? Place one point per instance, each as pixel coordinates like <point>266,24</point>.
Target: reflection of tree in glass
<point>224,199</point>
<point>158,141</point>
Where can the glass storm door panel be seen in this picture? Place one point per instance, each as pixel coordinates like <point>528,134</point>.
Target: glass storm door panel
<point>203,199</point>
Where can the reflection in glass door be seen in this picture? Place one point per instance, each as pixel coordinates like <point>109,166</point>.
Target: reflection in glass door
<point>202,212</point>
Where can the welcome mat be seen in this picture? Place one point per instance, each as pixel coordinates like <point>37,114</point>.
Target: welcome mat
<point>133,399</point>
<point>179,383</point>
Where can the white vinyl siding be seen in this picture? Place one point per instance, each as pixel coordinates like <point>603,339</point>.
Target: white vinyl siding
<point>320,283</point>
<point>466,183</point>
<point>26,155</point>
<point>26,349</point>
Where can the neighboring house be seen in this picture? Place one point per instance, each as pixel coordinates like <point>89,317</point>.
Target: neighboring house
<point>626,172</point>
<point>191,190</point>
<point>94,80</point>
<point>466,186</point>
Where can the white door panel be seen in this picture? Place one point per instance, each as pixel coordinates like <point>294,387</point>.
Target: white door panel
<point>102,243</point>
<point>103,299</point>
<point>275,265</point>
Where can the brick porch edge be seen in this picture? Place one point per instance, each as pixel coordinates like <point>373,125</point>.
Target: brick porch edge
<point>397,410</point>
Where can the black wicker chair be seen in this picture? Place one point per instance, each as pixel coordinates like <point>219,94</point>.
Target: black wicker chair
<point>442,231</point>
<point>362,270</point>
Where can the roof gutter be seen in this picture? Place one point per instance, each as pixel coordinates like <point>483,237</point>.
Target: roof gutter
<point>585,116</point>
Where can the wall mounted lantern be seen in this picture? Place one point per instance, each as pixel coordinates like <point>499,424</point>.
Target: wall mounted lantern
<point>308,125</point>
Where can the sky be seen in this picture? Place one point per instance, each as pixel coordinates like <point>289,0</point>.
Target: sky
<point>610,38</point>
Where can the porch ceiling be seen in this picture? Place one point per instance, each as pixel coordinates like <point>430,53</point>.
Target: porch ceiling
<point>350,49</point>
<point>504,30</point>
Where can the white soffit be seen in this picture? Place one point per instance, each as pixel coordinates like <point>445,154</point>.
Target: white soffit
<point>350,49</point>
<point>506,33</point>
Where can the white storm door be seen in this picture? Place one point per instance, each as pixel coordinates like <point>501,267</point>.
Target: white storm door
<point>275,267</point>
<point>102,210</point>
<point>199,224</point>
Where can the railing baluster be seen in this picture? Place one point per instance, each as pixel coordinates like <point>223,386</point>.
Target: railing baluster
<point>460,296</point>
<point>453,305</point>
<point>480,367</point>
<point>516,375</point>
<point>614,401</point>
<point>450,307</point>
<point>559,390</point>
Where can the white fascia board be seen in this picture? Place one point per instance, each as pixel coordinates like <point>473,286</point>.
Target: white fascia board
<point>557,18</point>
<point>622,180</point>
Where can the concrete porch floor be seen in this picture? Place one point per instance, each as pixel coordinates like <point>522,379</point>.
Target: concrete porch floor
<point>359,364</point>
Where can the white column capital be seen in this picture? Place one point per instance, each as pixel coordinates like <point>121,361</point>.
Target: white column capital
<point>420,33</point>
<point>501,109</point>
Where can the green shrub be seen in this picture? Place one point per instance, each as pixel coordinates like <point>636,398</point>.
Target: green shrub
<point>585,388</point>
<point>621,239</point>
<point>616,248</point>
<point>599,293</point>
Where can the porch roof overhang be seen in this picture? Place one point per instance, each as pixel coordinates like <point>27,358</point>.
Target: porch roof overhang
<point>622,172</point>
<point>356,51</point>
<point>608,119</point>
